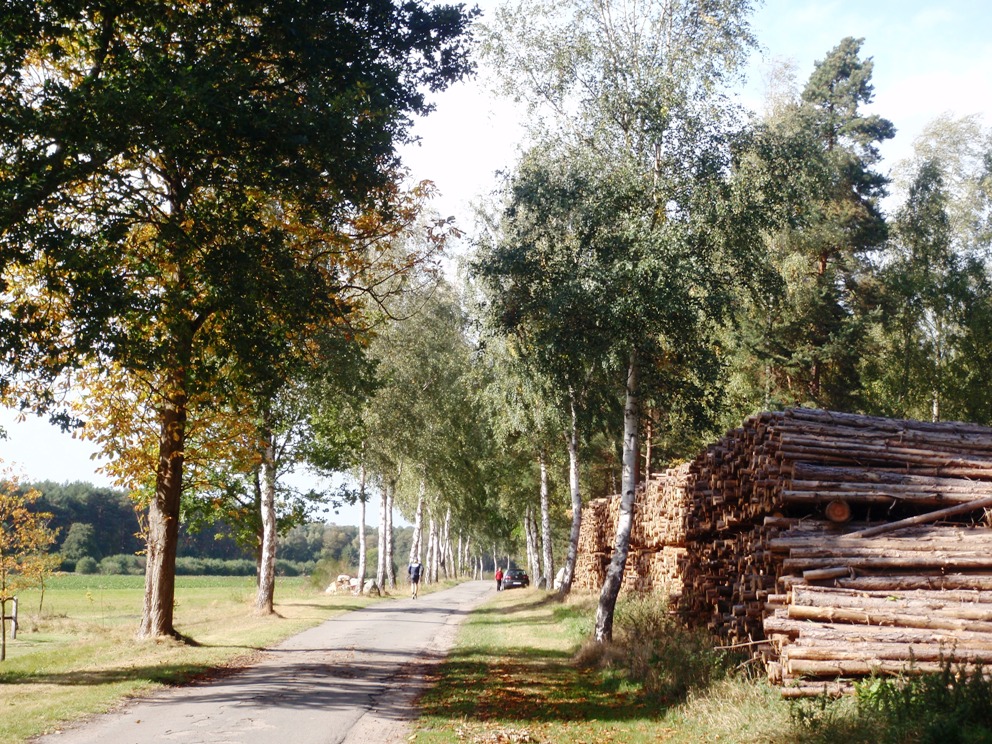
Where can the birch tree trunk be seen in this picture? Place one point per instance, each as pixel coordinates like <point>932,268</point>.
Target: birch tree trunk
<point>361,529</point>
<point>418,523</point>
<point>573,488</point>
<point>549,563</point>
<point>458,559</point>
<point>530,535</point>
<point>614,574</point>
<point>390,541</point>
<point>433,557</point>
<point>446,561</point>
<point>380,571</point>
<point>267,564</point>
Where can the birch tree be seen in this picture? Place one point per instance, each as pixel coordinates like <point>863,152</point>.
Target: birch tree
<point>634,90</point>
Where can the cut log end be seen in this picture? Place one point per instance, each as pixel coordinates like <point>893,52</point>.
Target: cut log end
<point>838,511</point>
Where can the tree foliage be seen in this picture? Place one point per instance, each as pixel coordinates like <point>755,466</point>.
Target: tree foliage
<point>173,177</point>
<point>25,537</point>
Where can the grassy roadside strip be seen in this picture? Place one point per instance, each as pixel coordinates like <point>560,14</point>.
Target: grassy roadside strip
<point>79,656</point>
<point>521,671</point>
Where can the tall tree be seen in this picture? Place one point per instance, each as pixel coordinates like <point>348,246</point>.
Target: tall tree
<point>806,340</point>
<point>929,358</point>
<point>631,87</point>
<point>154,160</point>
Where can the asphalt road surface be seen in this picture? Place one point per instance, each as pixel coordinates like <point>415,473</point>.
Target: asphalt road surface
<point>352,679</point>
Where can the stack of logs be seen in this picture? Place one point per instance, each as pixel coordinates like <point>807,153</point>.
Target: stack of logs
<point>834,545</point>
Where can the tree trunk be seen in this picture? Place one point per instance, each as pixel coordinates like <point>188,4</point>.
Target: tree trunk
<point>449,561</point>
<point>380,570</point>
<point>458,559</point>
<point>390,572</point>
<point>361,529</point>
<point>614,574</point>
<point>163,511</point>
<point>442,546</point>
<point>432,549</point>
<point>573,487</point>
<point>418,523</point>
<point>267,568</point>
<point>530,535</point>
<point>549,561</point>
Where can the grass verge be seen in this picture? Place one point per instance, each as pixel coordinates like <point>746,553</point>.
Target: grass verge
<point>77,654</point>
<point>523,671</point>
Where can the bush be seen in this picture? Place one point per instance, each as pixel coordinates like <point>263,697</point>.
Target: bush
<point>214,567</point>
<point>953,707</point>
<point>653,650</point>
<point>123,565</point>
<point>87,565</point>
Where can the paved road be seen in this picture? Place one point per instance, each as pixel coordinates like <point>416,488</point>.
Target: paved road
<point>351,679</point>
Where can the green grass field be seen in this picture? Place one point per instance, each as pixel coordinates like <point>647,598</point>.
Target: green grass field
<point>76,653</point>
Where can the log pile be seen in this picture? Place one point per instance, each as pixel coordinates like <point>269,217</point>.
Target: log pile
<point>814,538</point>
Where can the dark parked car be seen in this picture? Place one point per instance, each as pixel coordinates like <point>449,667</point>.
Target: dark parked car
<point>515,577</point>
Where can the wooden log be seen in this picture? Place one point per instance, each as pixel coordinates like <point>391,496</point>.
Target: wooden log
<point>838,511</point>
<point>796,689</point>
<point>893,618</point>
<point>982,582</point>
<point>910,561</point>
<point>861,668</point>
<point>801,631</point>
<point>876,652</point>
<point>824,595</point>
<point>822,574</point>
<point>924,518</point>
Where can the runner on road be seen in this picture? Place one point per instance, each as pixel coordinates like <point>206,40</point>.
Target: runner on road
<point>413,571</point>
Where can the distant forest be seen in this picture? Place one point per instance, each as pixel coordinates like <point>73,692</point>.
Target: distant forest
<point>99,530</point>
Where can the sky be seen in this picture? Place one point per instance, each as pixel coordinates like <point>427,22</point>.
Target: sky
<point>930,58</point>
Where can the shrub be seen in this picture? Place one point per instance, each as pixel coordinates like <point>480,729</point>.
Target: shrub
<point>87,565</point>
<point>123,565</point>
<point>953,707</point>
<point>652,649</point>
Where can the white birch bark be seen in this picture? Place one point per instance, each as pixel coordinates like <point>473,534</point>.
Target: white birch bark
<point>432,549</point>
<point>418,523</point>
<point>361,530</point>
<point>446,561</point>
<point>390,543</point>
<point>549,562</point>
<point>530,533</point>
<point>380,571</point>
<point>614,574</point>
<point>573,488</point>
<point>458,558</point>
<point>267,562</point>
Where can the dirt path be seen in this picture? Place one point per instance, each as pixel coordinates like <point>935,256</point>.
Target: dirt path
<point>352,679</point>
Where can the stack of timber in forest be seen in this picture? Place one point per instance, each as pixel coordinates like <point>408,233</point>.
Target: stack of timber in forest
<point>834,545</point>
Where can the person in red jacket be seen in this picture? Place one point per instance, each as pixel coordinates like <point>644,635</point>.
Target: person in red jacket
<point>499,578</point>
